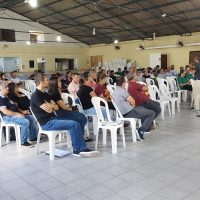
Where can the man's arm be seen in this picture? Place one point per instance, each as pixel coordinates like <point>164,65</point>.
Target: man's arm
<point>7,112</point>
<point>131,100</point>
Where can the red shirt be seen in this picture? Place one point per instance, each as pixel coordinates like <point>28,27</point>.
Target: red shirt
<point>101,89</point>
<point>135,90</point>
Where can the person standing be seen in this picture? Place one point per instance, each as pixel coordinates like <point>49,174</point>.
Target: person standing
<point>197,68</point>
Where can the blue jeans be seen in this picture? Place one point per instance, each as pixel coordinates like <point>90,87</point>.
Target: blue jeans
<point>73,115</point>
<point>73,127</point>
<point>91,111</point>
<point>28,126</point>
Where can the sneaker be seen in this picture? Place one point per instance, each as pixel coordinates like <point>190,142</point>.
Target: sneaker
<point>76,153</point>
<point>87,139</point>
<point>88,153</point>
<point>27,144</point>
<point>140,135</point>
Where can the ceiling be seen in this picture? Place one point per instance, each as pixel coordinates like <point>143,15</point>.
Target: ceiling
<point>112,19</point>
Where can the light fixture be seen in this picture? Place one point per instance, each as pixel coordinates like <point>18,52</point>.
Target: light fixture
<point>116,41</point>
<point>32,3</point>
<point>164,15</point>
<point>58,38</point>
<point>28,42</point>
<point>94,31</point>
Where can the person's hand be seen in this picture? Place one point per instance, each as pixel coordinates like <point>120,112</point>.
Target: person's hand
<point>19,115</point>
<point>25,112</point>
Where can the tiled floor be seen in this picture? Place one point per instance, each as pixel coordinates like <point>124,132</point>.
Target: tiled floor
<point>166,166</point>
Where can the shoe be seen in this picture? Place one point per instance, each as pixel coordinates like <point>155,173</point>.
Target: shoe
<point>87,139</point>
<point>88,153</point>
<point>76,153</point>
<point>140,135</point>
<point>27,144</point>
<point>34,140</point>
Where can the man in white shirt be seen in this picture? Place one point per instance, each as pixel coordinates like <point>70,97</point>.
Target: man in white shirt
<point>74,85</point>
<point>13,77</point>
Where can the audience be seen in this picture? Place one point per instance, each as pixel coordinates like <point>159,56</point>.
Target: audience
<point>44,109</point>
<point>92,78</point>
<point>126,105</point>
<point>3,77</point>
<point>12,114</point>
<point>13,77</point>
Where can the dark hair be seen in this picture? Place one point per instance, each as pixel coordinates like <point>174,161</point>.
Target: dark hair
<point>1,75</point>
<point>85,76</point>
<point>39,77</point>
<point>120,80</point>
<point>181,71</point>
<point>11,88</point>
<point>101,77</point>
<point>68,72</point>
<point>53,84</point>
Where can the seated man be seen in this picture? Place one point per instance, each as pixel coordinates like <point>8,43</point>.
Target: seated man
<point>139,93</point>
<point>12,114</point>
<point>44,109</point>
<point>13,77</point>
<point>126,105</point>
<point>74,86</point>
<point>184,81</point>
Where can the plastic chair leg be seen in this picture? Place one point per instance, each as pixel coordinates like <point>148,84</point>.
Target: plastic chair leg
<point>7,134</point>
<point>94,121</point>
<point>114,140</point>
<point>38,142</point>
<point>51,146</point>
<point>17,136</point>
<point>123,136</point>
<point>133,130</point>
<point>97,138</point>
<point>173,107</point>
<point>169,110</point>
<point>104,136</point>
<point>1,135</point>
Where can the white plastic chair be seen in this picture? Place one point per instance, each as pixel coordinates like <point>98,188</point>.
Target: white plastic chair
<point>150,81</point>
<point>166,94</point>
<point>25,92</point>
<point>65,97</point>
<point>7,126</point>
<point>52,137</point>
<point>110,88</point>
<point>30,86</point>
<point>132,121</point>
<point>107,125</point>
<point>156,96</point>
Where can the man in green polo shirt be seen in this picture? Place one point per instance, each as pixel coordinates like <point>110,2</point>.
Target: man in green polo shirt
<point>184,81</point>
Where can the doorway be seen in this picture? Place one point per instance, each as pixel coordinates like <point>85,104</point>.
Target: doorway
<point>193,54</point>
<point>63,64</point>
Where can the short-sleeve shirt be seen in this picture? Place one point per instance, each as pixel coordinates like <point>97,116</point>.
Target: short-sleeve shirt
<point>73,89</point>
<point>120,96</point>
<point>182,80</point>
<point>84,96</point>
<point>37,99</point>
<point>5,102</point>
<point>135,90</point>
<point>102,90</point>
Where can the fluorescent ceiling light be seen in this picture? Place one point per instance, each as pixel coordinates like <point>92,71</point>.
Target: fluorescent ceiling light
<point>28,42</point>
<point>164,15</point>
<point>58,38</point>
<point>116,41</point>
<point>32,3</point>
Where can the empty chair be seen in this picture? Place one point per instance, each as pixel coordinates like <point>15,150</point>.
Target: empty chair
<point>105,125</point>
<point>156,96</point>
<point>166,94</point>
<point>150,81</point>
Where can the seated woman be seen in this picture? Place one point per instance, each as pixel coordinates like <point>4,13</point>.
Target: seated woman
<point>183,81</point>
<point>3,77</point>
<point>64,110</point>
<point>101,90</point>
<point>85,95</point>
<point>22,102</point>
